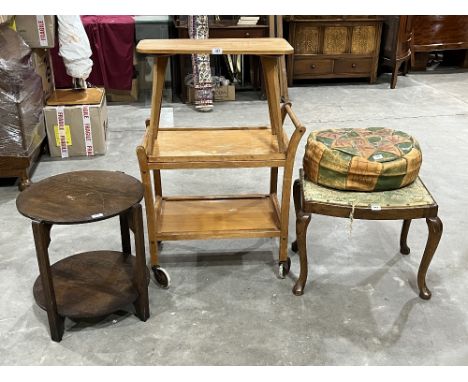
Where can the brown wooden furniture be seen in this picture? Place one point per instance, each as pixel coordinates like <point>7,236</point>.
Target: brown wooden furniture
<point>397,33</point>
<point>90,284</point>
<point>438,33</point>
<point>233,216</point>
<point>333,47</point>
<point>411,202</point>
<point>20,166</point>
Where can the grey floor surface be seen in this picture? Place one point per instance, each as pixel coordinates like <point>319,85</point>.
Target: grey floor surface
<point>226,306</point>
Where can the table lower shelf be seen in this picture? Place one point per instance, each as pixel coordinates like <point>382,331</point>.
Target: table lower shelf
<point>91,284</point>
<point>217,217</point>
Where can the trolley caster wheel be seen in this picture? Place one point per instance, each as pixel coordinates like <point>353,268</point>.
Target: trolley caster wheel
<point>161,276</point>
<point>283,268</point>
<point>294,246</point>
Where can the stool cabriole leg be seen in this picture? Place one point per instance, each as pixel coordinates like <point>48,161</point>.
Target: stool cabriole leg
<point>435,232</point>
<point>41,233</point>
<point>297,207</point>
<point>302,222</point>
<point>404,249</point>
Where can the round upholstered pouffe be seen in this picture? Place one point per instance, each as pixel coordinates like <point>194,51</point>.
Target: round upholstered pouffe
<point>370,159</point>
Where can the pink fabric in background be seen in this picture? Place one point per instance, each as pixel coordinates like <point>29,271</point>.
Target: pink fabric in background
<point>112,40</point>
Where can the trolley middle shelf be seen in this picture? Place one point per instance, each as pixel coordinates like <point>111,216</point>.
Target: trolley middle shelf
<point>217,217</point>
<point>213,147</point>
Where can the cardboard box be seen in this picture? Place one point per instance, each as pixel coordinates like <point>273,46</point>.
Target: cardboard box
<point>42,66</point>
<point>76,122</point>
<point>37,31</point>
<point>221,93</point>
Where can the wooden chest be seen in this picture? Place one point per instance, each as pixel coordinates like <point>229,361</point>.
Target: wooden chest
<point>334,46</point>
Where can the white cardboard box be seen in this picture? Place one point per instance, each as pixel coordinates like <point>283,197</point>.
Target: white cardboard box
<point>76,122</point>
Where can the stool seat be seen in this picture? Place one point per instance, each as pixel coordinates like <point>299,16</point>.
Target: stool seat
<point>414,195</point>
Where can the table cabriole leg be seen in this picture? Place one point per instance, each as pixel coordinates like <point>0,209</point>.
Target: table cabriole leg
<point>404,249</point>
<point>435,228</point>
<point>140,281</point>
<point>41,233</point>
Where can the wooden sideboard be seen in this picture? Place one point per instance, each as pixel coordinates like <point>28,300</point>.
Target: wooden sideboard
<point>397,34</point>
<point>438,33</point>
<point>333,46</point>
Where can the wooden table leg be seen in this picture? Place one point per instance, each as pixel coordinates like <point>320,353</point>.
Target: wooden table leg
<point>435,232</point>
<point>404,249</point>
<point>140,280</point>
<point>125,233</point>
<point>41,233</point>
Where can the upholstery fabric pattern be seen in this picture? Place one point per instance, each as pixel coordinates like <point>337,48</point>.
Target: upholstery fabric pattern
<point>414,195</point>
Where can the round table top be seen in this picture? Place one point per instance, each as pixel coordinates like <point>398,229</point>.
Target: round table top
<point>80,197</point>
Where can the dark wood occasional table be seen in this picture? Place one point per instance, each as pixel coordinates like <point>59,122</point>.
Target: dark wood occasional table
<point>411,202</point>
<point>89,284</point>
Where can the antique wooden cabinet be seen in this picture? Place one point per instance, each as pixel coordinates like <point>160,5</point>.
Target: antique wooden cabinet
<point>397,34</point>
<point>333,46</point>
<point>438,33</point>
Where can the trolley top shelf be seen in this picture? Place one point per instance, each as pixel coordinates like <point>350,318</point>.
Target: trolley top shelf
<point>256,46</point>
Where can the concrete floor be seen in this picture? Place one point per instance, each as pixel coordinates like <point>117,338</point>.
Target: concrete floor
<point>225,305</point>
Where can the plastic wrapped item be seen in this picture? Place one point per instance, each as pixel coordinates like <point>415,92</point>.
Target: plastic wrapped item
<point>21,97</point>
<point>74,47</point>
<point>4,19</point>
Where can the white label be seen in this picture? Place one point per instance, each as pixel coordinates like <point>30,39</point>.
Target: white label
<point>217,51</point>
<point>41,30</point>
<point>88,136</point>
<point>375,207</point>
<point>99,215</point>
<point>377,156</point>
<point>61,131</point>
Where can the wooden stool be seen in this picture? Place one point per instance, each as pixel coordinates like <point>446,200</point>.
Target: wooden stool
<point>90,284</point>
<point>411,202</point>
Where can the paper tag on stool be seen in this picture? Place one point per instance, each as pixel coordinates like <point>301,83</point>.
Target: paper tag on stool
<point>375,207</point>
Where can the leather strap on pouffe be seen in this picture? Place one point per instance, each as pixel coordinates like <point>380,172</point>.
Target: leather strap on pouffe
<point>369,159</point>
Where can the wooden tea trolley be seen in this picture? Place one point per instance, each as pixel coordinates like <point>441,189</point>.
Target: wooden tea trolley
<point>218,217</point>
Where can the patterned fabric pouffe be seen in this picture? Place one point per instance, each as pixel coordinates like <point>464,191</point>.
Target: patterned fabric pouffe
<point>369,159</point>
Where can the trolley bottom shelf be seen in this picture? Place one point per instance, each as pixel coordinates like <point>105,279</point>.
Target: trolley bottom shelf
<point>217,217</point>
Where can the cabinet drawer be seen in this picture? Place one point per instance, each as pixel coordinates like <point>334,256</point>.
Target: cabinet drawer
<point>238,32</point>
<point>308,66</point>
<point>363,65</point>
